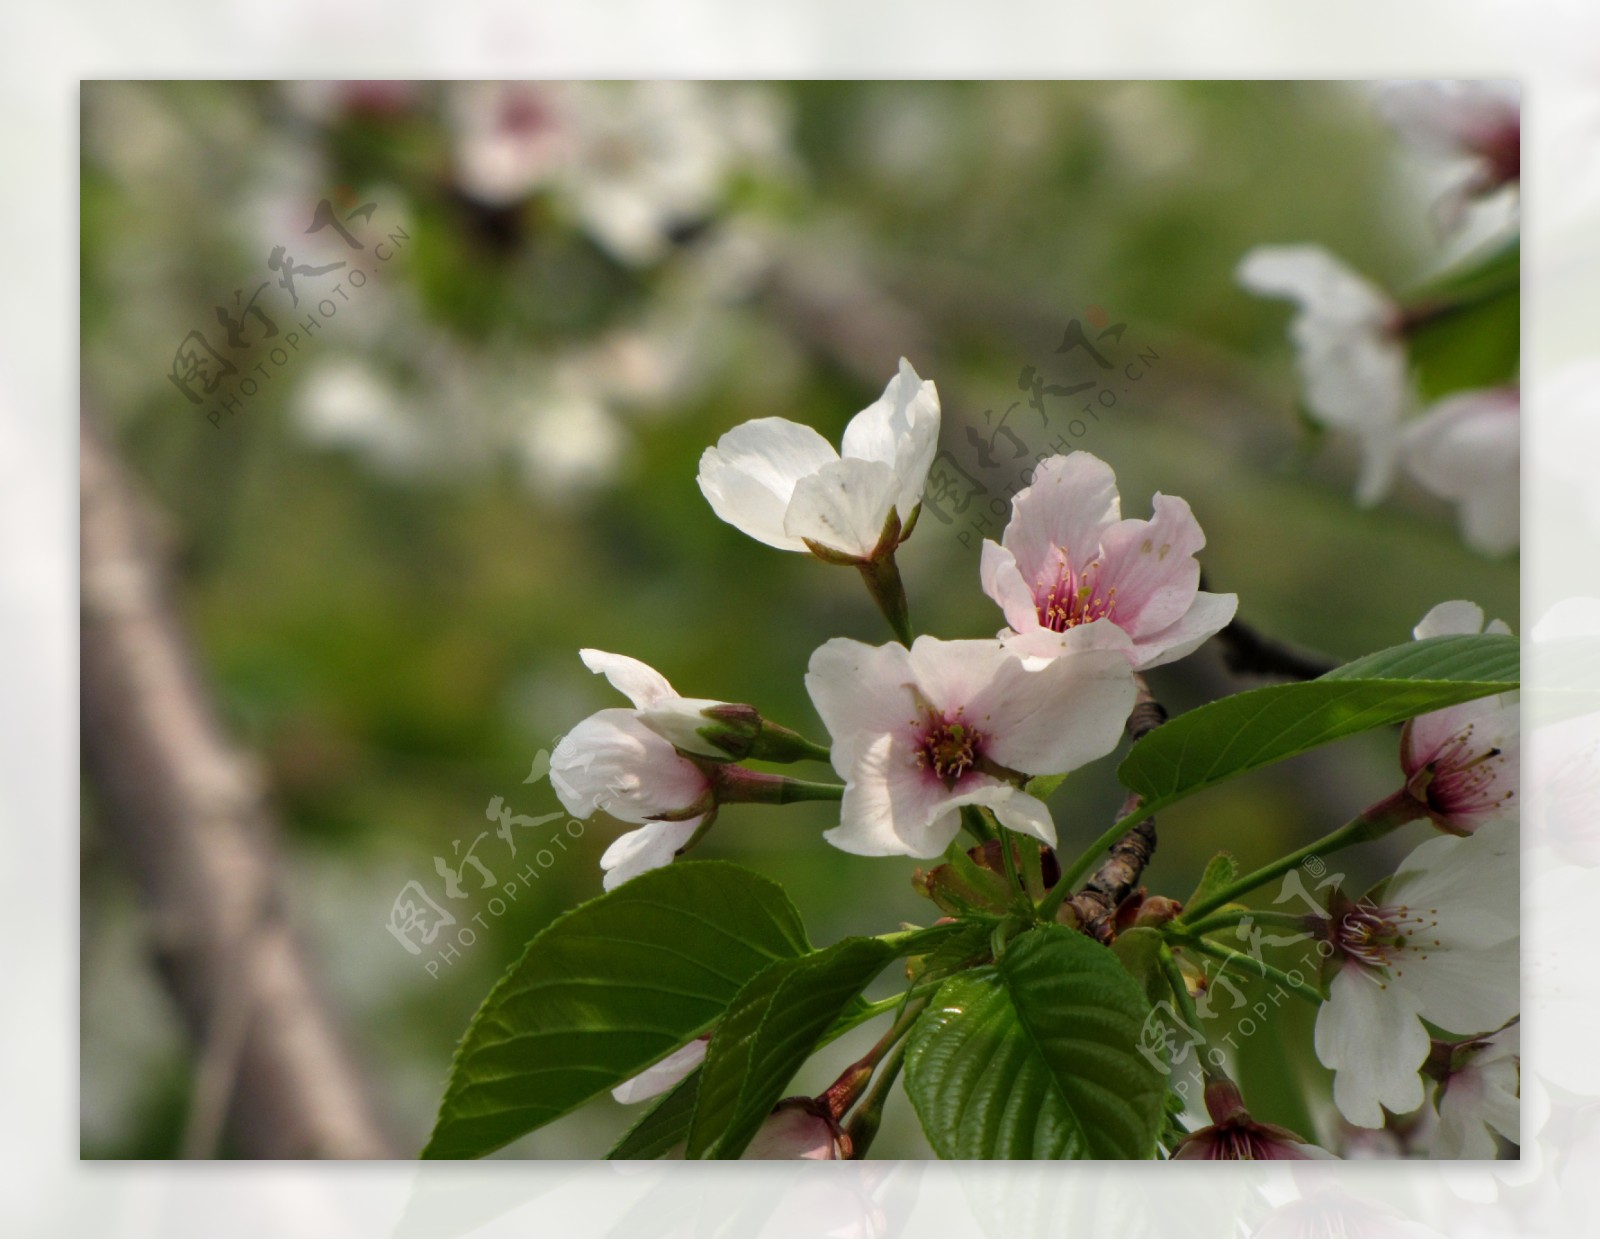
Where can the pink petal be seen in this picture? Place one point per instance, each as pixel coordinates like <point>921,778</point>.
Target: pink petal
<point>1151,566</point>
<point>1070,501</point>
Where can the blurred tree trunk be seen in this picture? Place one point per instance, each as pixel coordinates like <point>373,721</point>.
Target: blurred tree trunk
<point>188,814</point>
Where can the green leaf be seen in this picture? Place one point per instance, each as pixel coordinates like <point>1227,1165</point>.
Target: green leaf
<point>771,1028</point>
<point>1474,346</point>
<point>1037,1056</point>
<point>605,991</point>
<point>1220,871</point>
<point>1215,742</point>
<point>665,1126</point>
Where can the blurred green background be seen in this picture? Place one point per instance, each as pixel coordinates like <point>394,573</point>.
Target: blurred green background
<point>486,459</point>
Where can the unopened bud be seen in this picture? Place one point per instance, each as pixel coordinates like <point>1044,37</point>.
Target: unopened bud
<point>721,731</point>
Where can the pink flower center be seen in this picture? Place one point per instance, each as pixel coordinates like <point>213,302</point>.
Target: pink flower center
<point>947,747</point>
<point>1462,779</point>
<point>1074,598</point>
<point>1377,938</point>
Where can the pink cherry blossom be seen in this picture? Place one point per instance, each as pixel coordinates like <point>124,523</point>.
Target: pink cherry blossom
<point>1462,763</point>
<point>1070,574</point>
<point>919,733</point>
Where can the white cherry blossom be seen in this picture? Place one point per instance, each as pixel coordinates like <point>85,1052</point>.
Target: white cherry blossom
<point>1349,350</point>
<point>1479,1097</point>
<point>1437,942</point>
<point>784,485</point>
<point>1468,449</point>
<point>919,733</point>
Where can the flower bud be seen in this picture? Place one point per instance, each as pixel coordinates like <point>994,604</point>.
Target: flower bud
<point>708,729</point>
<point>797,1128</point>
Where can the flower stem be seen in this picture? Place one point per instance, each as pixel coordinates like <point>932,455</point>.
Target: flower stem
<point>1227,954</point>
<point>882,576</point>
<point>1373,823</point>
<point>1180,989</point>
<point>842,1094</point>
<point>1261,916</point>
<point>776,743</point>
<point>868,1117</point>
<point>736,784</point>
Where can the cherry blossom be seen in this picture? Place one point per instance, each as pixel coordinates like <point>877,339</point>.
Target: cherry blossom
<point>1462,763</point>
<point>784,485</point>
<point>1234,1135</point>
<point>1476,126</point>
<point>613,762</point>
<point>1478,1096</point>
<point>1437,942</point>
<point>1349,349</point>
<point>1468,449</point>
<point>919,733</point>
<point>797,1129</point>
<point>1070,574</point>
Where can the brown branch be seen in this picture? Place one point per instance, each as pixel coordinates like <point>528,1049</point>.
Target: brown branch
<point>1248,651</point>
<point>1097,901</point>
<point>189,816</point>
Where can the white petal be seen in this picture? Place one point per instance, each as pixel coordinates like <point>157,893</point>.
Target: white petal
<point>792,1132</point>
<point>1457,618</point>
<point>750,476</point>
<point>1467,448</point>
<point>1017,811</point>
<point>1372,1039</point>
<point>1207,616</point>
<point>1058,718</point>
<point>901,430</point>
<point>1465,991</point>
<point>1322,284</point>
<point>952,675</point>
<point>679,721</point>
<point>640,683</point>
<point>659,1078</point>
<point>1472,883</point>
<point>892,807</point>
<point>1040,645</point>
<point>861,692</point>
<point>843,506</point>
<point>1003,582</point>
<point>612,762</point>
<point>1353,367</point>
<point>649,848</point>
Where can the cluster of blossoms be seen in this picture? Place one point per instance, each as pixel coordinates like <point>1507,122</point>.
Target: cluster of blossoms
<point>924,731</point>
<point>1351,337</point>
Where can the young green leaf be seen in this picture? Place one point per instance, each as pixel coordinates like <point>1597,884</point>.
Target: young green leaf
<point>1217,741</point>
<point>770,1029</point>
<point>605,991</point>
<point>1037,1056</point>
<point>1219,872</point>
